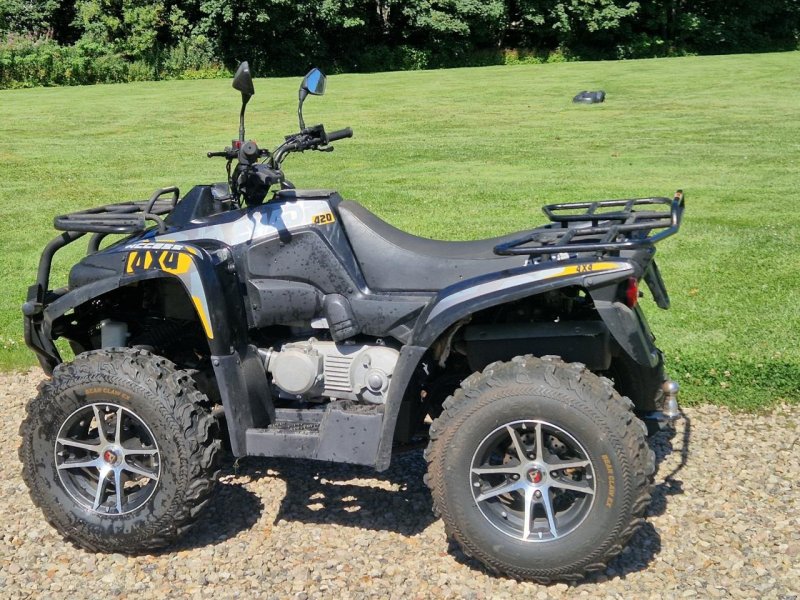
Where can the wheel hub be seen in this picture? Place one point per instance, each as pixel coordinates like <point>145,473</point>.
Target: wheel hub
<point>532,480</point>
<point>535,475</point>
<point>112,456</point>
<point>107,459</point>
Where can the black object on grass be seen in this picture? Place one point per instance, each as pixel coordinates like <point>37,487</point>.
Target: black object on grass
<point>590,97</point>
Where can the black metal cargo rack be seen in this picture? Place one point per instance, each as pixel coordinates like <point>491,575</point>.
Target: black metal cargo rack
<point>125,217</point>
<point>600,226</point>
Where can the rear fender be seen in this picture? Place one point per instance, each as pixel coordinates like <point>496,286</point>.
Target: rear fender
<point>627,325</point>
<point>459,301</point>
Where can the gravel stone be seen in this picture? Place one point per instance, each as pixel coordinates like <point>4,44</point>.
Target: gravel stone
<point>724,522</point>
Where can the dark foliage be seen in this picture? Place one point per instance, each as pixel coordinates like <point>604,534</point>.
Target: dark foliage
<point>52,42</point>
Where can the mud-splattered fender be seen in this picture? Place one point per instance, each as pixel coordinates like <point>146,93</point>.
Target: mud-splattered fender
<point>194,265</point>
<point>461,300</point>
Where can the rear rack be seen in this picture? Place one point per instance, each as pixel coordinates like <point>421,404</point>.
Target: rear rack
<point>592,227</point>
<point>125,217</point>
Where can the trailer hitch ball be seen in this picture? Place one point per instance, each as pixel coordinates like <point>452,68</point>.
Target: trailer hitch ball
<point>671,409</point>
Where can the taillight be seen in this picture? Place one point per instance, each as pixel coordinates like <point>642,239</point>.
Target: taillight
<point>632,292</point>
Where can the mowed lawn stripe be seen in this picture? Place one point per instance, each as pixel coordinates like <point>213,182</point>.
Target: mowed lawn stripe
<point>469,153</point>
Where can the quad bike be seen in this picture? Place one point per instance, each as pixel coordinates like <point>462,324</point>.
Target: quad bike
<point>293,323</point>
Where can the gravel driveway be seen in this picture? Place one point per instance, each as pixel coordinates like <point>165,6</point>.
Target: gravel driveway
<point>724,521</point>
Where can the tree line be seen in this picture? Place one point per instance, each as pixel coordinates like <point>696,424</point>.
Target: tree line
<point>55,42</point>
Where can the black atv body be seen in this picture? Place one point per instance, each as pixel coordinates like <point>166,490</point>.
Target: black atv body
<point>305,326</point>
<point>244,276</point>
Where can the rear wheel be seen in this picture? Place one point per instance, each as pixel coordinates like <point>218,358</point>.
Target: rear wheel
<point>118,452</point>
<point>539,469</point>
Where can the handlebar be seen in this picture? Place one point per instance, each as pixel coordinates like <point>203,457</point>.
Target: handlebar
<point>254,180</point>
<point>341,134</point>
<point>228,153</point>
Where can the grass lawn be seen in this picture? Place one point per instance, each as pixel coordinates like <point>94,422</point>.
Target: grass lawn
<point>466,153</point>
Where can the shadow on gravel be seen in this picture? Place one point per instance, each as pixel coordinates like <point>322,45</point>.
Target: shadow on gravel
<point>329,493</point>
<point>233,509</point>
<point>662,444</point>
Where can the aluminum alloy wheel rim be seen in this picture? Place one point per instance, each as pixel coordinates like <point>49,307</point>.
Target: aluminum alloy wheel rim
<point>107,459</point>
<point>532,480</point>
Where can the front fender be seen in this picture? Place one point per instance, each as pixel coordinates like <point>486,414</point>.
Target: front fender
<point>194,266</point>
<point>196,269</point>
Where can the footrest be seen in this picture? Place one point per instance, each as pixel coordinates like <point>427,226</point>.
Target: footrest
<point>348,436</point>
<point>280,441</point>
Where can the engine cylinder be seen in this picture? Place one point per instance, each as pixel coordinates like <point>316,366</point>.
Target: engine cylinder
<point>315,369</point>
<point>296,369</point>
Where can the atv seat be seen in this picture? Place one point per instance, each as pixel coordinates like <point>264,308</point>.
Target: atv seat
<point>393,260</point>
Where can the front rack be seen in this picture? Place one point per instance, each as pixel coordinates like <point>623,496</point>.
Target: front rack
<point>125,217</point>
<point>601,226</point>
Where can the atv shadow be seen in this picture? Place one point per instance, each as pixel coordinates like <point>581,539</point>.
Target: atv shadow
<point>218,522</point>
<point>316,493</point>
<point>350,495</point>
<point>662,444</point>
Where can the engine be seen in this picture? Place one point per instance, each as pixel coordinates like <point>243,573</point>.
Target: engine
<point>317,369</point>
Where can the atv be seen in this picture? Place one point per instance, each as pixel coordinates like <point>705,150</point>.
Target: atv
<point>277,322</point>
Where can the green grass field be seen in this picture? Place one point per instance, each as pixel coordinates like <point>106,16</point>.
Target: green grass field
<point>466,153</point>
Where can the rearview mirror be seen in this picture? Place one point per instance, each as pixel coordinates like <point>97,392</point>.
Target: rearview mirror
<point>243,81</point>
<point>314,82</point>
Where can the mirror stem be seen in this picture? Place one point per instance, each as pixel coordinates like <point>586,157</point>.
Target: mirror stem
<point>302,96</point>
<point>245,100</point>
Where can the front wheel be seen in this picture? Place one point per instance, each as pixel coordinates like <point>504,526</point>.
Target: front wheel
<point>539,469</point>
<point>118,451</point>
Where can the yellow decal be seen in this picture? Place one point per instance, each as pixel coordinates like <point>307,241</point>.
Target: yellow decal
<point>131,259</point>
<point>612,488</point>
<point>203,317</point>
<point>588,268</point>
<point>169,261</point>
<point>174,262</point>
<point>323,219</point>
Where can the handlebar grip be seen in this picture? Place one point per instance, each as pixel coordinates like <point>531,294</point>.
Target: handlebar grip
<point>213,154</point>
<point>340,134</point>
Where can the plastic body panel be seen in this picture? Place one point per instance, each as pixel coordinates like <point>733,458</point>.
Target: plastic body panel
<point>289,261</point>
